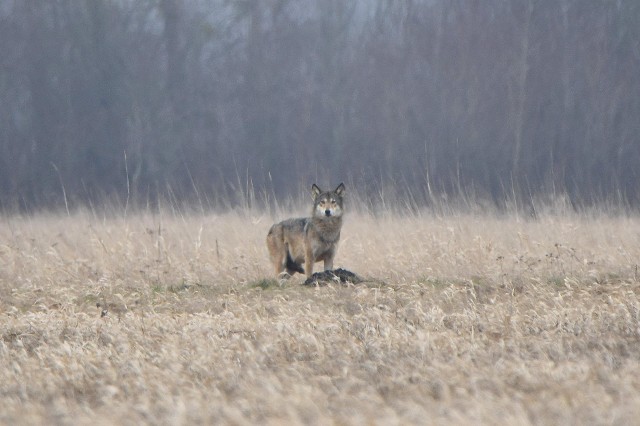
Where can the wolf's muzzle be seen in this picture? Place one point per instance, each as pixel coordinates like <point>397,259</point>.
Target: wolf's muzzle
<point>327,212</point>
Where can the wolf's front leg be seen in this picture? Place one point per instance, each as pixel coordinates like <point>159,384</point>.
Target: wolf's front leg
<point>308,260</point>
<point>328,263</point>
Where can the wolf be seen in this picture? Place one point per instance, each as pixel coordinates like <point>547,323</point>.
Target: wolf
<point>310,239</point>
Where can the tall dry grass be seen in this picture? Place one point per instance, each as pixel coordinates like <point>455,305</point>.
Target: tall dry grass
<point>463,319</point>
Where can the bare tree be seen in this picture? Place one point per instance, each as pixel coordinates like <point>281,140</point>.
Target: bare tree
<point>494,99</point>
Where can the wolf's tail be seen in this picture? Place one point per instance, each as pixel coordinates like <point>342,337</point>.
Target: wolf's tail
<point>292,266</point>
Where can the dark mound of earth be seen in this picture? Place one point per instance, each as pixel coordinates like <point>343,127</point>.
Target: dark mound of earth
<point>336,276</point>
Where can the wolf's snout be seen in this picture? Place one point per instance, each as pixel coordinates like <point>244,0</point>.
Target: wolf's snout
<point>327,212</point>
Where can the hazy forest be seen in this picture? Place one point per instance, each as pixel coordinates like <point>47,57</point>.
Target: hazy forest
<point>494,99</point>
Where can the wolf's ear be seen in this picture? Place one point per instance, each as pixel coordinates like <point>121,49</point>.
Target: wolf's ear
<point>315,191</point>
<point>340,190</point>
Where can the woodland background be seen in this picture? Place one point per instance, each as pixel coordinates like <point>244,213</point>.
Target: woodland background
<point>495,99</point>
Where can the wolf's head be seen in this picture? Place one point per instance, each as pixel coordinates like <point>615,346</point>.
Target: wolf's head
<point>329,203</point>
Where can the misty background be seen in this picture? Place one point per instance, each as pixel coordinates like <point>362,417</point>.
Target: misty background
<point>197,99</point>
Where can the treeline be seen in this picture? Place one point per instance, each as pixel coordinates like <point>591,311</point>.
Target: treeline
<point>136,98</point>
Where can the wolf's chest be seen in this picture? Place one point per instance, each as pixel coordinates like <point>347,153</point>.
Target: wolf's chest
<point>325,231</point>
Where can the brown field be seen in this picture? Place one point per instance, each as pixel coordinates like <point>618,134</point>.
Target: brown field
<point>463,319</point>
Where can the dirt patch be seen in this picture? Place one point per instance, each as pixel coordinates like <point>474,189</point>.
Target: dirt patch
<point>336,276</point>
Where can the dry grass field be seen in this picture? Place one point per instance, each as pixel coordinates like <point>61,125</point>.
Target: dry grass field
<point>462,319</point>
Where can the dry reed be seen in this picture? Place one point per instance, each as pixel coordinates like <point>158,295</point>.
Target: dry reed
<point>465,319</point>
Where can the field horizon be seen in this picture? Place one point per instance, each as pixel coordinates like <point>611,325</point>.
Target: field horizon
<point>464,317</point>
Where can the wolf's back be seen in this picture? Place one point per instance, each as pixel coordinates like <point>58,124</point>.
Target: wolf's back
<point>294,225</point>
